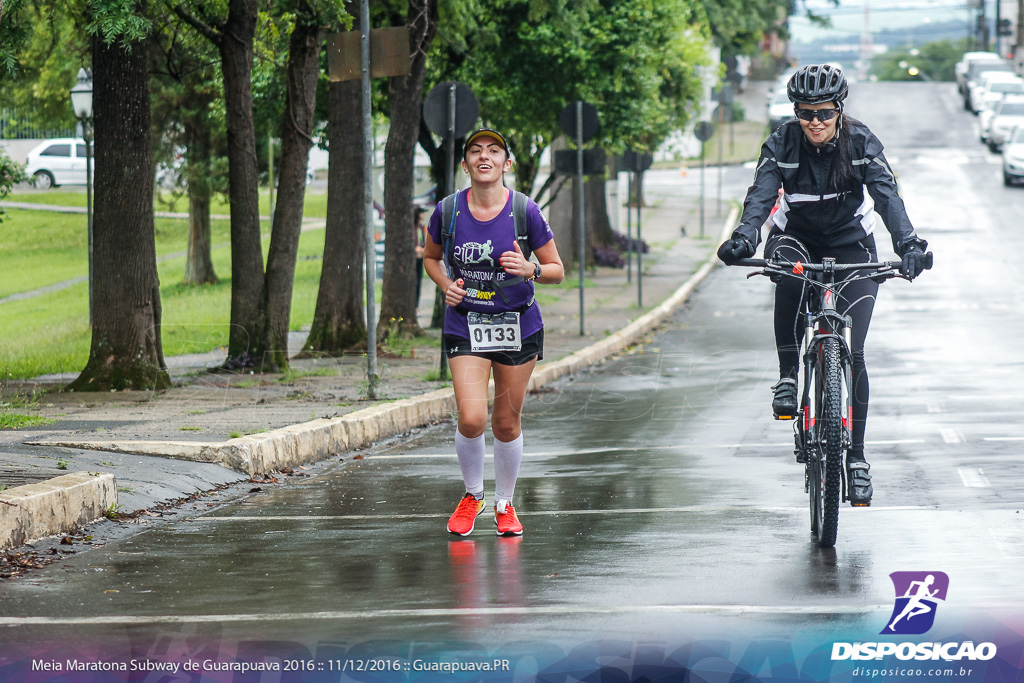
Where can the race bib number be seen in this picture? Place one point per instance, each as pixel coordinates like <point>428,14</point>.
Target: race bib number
<point>494,332</point>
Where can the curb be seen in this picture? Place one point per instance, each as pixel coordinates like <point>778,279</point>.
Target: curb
<point>55,506</point>
<point>296,444</point>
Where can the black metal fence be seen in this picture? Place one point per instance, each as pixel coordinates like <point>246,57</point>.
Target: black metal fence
<point>15,125</point>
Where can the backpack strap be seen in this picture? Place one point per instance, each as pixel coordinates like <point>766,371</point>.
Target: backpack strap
<point>449,212</point>
<point>519,201</point>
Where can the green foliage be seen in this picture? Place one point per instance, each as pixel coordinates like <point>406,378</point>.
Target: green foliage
<point>41,64</point>
<point>11,172</point>
<point>118,20</point>
<point>526,59</point>
<point>934,61</point>
<point>738,25</point>
<point>14,28</point>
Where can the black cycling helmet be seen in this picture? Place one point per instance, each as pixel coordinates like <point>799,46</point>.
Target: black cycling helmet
<point>817,83</point>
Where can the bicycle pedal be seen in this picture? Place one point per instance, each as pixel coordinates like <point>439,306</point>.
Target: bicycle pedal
<point>785,417</point>
<point>800,457</point>
<point>861,505</point>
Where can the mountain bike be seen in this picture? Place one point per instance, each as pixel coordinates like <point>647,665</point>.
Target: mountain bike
<point>822,427</point>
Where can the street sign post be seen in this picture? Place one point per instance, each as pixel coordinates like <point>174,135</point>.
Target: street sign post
<point>579,120</point>
<point>366,54</point>
<point>450,110</point>
<point>703,131</point>
<point>636,163</point>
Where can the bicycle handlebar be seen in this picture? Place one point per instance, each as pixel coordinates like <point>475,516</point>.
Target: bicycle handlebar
<point>838,267</point>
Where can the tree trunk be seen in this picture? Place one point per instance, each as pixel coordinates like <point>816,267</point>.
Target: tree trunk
<point>598,225</point>
<point>398,298</point>
<point>126,350</point>
<point>560,215</point>
<point>247,337</point>
<point>339,322</point>
<point>443,183</point>
<point>199,262</point>
<point>296,139</point>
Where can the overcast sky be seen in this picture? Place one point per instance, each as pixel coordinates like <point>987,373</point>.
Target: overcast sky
<point>848,17</point>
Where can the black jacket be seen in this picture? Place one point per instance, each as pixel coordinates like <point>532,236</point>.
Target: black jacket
<point>811,209</point>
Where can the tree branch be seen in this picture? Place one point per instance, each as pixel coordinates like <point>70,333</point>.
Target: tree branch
<point>211,33</point>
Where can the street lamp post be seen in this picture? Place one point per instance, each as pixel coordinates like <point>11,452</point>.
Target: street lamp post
<point>81,102</point>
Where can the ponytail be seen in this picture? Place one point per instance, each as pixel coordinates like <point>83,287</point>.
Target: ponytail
<point>843,178</point>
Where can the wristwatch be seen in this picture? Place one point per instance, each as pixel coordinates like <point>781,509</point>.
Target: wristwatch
<point>536,271</point>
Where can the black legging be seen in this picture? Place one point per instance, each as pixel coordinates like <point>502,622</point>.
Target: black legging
<point>856,299</point>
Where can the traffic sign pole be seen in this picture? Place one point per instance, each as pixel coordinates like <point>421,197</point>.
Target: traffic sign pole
<point>580,225</point>
<point>629,227</point>
<point>371,256</point>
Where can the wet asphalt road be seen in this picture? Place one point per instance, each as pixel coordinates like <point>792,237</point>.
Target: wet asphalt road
<point>661,501</point>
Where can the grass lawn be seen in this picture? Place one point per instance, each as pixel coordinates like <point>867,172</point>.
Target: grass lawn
<point>50,333</point>
<point>315,201</point>
<point>739,145</point>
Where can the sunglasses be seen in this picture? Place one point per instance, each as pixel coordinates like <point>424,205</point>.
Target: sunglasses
<point>822,115</point>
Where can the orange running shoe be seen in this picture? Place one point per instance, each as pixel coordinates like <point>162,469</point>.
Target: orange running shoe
<point>462,520</point>
<point>506,520</point>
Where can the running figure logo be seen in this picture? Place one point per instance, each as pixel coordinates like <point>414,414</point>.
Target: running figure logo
<point>474,252</point>
<point>917,596</point>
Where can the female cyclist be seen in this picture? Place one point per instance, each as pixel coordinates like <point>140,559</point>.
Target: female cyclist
<point>823,161</point>
<point>492,324</point>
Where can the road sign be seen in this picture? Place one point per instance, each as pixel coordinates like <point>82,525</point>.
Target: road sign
<point>389,54</point>
<point>637,162</point>
<point>704,130</point>
<point>567,121</point>
<point>436,107</point>
<point>593,161</point>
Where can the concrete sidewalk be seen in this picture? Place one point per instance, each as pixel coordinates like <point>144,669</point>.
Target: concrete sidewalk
<point>132,451</point>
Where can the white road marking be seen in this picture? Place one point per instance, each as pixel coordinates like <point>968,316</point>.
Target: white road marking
<point>1003,438</point>
<point>934,408</point>
<point>950,435</point>
<point>131,619</point>
<point>637,449</point>
<point>973,478</point>
<point>548,513</point>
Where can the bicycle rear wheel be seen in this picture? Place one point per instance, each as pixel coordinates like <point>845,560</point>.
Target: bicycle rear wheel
<point>827,471</point>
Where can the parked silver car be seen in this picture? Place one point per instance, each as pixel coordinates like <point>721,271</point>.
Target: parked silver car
<point>1008,115</point>
<point>1013,157</point>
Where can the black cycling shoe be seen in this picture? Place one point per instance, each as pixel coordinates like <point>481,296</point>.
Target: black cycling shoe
<point>858,482</point>
<point>784,400</point>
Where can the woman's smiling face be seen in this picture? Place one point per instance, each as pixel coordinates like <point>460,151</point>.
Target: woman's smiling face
<point>818,132</point>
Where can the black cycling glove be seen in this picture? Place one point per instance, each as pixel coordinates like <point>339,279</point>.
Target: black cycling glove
<point>913,261</point>
<point>735,249</point>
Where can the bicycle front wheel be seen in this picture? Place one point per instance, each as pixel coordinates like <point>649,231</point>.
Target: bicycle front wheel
<point>827,477</point>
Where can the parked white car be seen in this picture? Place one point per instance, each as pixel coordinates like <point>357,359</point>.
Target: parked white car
<point>960,68</point>
<point>59,161</point>
<point>1013,157</point>
<point>1007,116</point>
<point>992,82</point>
<point>975,71</point>
<point>780,109</point>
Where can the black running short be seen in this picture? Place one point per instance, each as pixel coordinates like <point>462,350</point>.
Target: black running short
<point>533,347</point>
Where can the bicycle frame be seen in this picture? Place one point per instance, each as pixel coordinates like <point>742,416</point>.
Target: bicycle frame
<point>822,321</point>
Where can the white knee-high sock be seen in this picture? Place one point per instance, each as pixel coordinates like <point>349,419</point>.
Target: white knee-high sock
<point>471,460</point>
<point>507,456</point>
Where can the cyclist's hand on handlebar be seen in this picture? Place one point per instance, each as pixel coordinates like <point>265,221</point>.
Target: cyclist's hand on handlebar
<point>734,250</point>
<point>913,262</point>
